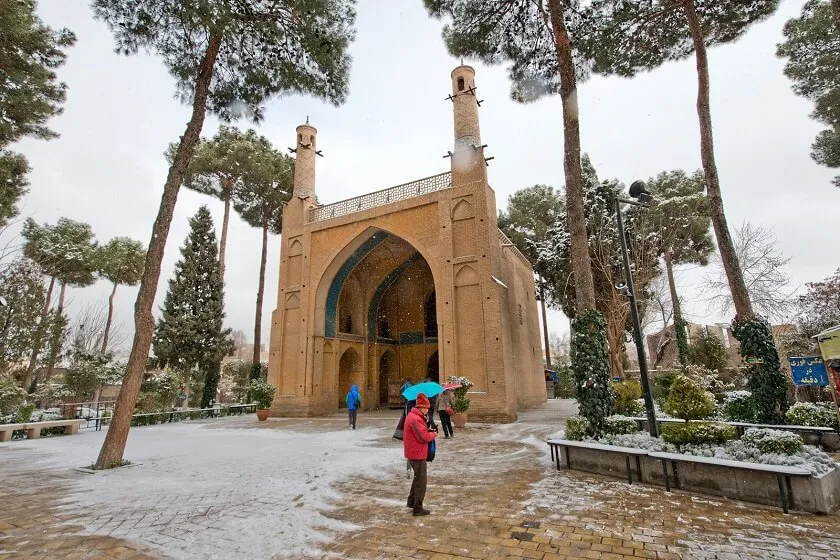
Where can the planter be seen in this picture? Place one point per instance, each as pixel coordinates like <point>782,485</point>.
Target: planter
<point>459,419</point>
<point>262,414</point>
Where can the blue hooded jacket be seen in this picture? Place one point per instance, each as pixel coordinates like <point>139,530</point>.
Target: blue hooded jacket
<point>352,397</point>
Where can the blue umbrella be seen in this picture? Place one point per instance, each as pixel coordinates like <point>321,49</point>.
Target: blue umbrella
<point>429,388</point>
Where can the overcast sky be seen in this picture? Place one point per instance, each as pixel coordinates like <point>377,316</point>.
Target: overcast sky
<point>107,168</point>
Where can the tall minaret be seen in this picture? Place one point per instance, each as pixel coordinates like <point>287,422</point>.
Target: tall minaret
<point>305,162</point>
<point>468,158</point>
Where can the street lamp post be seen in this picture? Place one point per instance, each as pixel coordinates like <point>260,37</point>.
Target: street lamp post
<point>637,191</point>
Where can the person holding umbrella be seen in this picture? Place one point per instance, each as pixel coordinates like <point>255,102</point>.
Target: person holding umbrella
<point>416,438</point>
<point>444,407</point>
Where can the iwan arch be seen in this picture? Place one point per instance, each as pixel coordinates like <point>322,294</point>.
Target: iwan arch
<point>409,282</point>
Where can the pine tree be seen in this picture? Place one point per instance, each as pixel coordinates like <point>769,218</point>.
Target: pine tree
<point>22,288</point>
<point>265,190</point>
<point>539,40</point>
<point>229,58</point>
<point>644,243</point>
<point>120,261</point>
<point>189,333</point>
<point>626,37</point>
<point>683,213</point>
<point>13,171</point>
<point>812,47</point>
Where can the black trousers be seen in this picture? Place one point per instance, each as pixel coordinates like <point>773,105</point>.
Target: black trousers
<point>418,485</point>
<point>353,418</point>
<point>446,422</point>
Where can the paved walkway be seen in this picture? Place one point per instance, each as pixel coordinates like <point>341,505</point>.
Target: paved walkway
<point>493,494</point>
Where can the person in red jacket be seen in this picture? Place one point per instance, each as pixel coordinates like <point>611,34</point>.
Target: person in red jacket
<point>416,438</point>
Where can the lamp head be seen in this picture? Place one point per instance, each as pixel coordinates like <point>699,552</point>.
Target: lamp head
<point>638,190</point>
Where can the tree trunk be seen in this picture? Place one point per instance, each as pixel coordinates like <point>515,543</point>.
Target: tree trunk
<point>39,338</point>
<point>835,7</point>
<point>227,185</point>
<point>675,302</point>
<point>55,345</point>
<point>110,317</point>
<point>260,289</point>
<point>616,322</point>
<point>584,285</point>
<point>113,447</point>
<point>734,275</point>
<point>545,327</point>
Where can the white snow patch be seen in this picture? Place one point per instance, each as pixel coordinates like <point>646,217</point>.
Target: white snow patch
<point>207,492</point>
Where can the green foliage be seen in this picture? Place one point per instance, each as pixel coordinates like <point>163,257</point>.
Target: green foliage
<point>460,402</point>
<point>772,441</point>
<point>189,332</point>
<point>565,386</point>
<point>497,31</point>
<point>634,36</point>
<point>577,427</point>
<point>267,48</point>
<point>766,380</point>
<point>266,189</point>
<point>22,287</point>
<point>262,393</point>
<point>682,213</point>
<point>211,383</point>
<point>662,382</point>
<point>12,397</point>
<point>682,340</point>
<point>697,433</point>
<point>812,47</point>
<point>121,261</point>
<point>530,213</point>
<point>554,259</point>
<point>91,370</point>
<point>738,406</point>
<point>51,393</point>
<point>591,368</point>
<point>708,351</point>
<point>30,51</point>
<point>811,414</point>
<point>158,391</point>
<point>688,400</point>
<point>65,251</point>
<point>619,425</point>
<point>24,413</point>
<point>13,171</point>
<point>627,395</point>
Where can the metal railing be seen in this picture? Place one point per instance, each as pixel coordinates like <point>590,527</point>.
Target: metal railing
<point>100,413</point>
<point>405,191</point>
<point>508,244</point>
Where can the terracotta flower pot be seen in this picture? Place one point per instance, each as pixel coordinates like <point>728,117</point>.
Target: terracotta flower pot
<point>262,414</point>
<point>459,419</point>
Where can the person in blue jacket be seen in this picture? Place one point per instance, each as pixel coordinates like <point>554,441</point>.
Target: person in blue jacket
<point>354,402</point>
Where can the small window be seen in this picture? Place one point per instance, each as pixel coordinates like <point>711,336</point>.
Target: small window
<point>300,137</point>
<point>460,84</point>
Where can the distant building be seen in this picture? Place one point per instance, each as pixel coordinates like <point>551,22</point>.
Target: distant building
<point>662,350</point>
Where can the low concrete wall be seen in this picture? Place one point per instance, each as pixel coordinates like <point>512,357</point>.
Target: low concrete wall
<point>813,494</point>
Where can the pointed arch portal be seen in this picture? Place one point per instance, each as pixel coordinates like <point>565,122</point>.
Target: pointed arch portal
<point>382,299</point>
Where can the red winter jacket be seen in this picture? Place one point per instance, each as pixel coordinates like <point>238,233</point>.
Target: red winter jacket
<point>416,436</point>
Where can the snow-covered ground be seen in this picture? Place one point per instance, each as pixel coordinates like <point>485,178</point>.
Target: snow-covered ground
<point>199,490</point>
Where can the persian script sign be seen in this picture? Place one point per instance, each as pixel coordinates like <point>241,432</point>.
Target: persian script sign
<point>808,371</point>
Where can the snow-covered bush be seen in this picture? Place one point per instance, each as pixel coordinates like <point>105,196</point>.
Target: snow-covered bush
<point>12,397</point>
<point>639,440</point>
<point>810,414</point>
<point>262,393</point>
<point>460,402</point>
<point>576,428</point>
<point>45,415</point>
<point>688,400</point>
<point>627,395</point>
<point>738,406</point>
<point>697,433</point>
<point>772,441</point>
<point>618,424</point>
